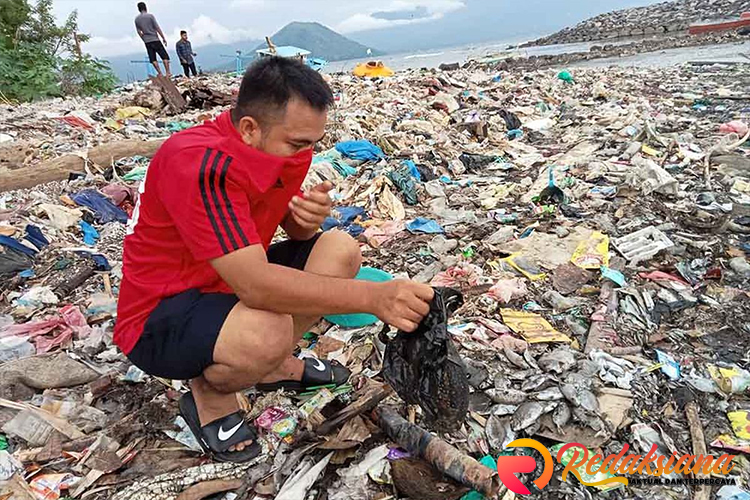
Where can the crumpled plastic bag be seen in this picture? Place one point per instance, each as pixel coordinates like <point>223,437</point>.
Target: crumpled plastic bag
<point>424,368</point>
<point>360,150</point>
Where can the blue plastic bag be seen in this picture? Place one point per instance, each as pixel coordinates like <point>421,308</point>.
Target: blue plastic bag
<point>105,210</point>
<point>343,218</point>
<point>422,225</point>
<point>90,235</point>
<point>360,150</point>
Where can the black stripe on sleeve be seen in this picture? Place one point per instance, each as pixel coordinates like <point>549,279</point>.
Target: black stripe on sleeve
<point>217,204</point>
<point>228,203</point>
<point>206,203</point>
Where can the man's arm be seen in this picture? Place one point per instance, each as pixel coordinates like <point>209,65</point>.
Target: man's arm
<point>260,285</point>
<point>158,30</point>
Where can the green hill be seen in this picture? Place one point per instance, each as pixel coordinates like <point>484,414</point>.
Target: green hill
<point>321,41</point>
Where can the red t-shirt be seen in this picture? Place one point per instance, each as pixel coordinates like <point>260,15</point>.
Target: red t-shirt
<point>206,194</point>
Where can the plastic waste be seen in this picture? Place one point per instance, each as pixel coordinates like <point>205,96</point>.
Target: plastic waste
<point>343,219</point>
<point>735,126</point>
<point>506,290</point>
<point>8,465</point>
<point>565,76</point>
<point>15,348</point>
<point>670,367</point>
<point>423,225</point>
<point>104,209</point>
<point>424,367</point>
<point>475,162</point>
<point>592,253</point>
<point>642,244</point>
<point>360,150</point>
<point>132,112</point>
<point>650,177</point>
<point>532,327</point>
<point>90,235</point>
<point>404,179</point>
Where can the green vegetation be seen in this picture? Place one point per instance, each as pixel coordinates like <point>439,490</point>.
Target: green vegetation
<point>40,59</point>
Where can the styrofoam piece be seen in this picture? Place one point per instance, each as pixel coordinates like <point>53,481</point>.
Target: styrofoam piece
<point>642,244</point>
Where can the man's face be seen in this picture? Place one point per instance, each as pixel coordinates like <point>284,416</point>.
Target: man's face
<point>184,36</point>
<point>288,133</point>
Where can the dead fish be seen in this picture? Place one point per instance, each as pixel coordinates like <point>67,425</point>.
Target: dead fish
<point>514,358</point>
<point>550,394</point>
<point>526,415</point>
<point>506,396</point>
<point>589,420</point>
<point>561,416</point>
<point>501,382</point>
<point>580,397</point>
<point>522,374</point>
<point>530,359</point>
<point>479,402</point>
<point>502,410</point>
<point>558,361</point>
<point>537,382</point>
<point>496,431</point>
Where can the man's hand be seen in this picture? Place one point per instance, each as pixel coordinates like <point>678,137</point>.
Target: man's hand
<point>402,303</point>
<point>310,212</point>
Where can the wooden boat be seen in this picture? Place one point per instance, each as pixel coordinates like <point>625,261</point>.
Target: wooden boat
<point>725,25</point>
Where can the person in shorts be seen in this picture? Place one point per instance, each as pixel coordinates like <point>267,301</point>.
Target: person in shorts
<point>149,31</point>
<point>207,296</point>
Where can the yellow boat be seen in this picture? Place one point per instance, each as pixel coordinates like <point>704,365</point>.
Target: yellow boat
<point>373,69</point>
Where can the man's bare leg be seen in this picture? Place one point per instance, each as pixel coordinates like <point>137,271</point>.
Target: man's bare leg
<point>243,354</point>
<point>158,69</point>
<point>166,67</point>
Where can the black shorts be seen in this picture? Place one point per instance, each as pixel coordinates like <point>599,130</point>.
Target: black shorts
<point>154,48</point>
<point>179,336</point>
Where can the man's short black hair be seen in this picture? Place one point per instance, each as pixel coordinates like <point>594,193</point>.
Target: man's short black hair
<point>183,32</point>
<point>142,7</point>
<point>271,82</point>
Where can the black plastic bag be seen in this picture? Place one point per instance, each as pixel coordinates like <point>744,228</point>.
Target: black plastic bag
<point>511,120</point>
<point>424,368</point>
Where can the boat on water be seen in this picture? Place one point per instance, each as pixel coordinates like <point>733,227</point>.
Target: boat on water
<point>721,25</point>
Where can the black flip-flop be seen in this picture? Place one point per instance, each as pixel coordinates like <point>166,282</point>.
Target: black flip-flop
<point>317,372</point>
<point>218,436</point>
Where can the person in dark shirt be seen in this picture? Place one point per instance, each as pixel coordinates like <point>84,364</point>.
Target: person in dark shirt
<point>149,31</point>
<point>185,53</point>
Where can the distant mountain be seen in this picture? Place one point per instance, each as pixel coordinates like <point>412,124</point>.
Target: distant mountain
<point>321,41</point>
<point>209,58</point>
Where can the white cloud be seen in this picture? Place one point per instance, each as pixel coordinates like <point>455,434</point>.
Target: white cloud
<point>436,9</point>
<point>202,31</point>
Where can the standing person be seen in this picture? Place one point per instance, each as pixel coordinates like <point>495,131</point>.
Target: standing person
<point>149,31</point>
<point>185,53</point>
<point>205,296</point>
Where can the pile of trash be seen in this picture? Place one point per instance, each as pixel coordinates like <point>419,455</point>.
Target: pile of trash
<point>588,231</point>
<point>658,19</point>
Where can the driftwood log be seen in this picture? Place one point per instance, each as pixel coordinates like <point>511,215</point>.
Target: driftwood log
<point>59,168</point>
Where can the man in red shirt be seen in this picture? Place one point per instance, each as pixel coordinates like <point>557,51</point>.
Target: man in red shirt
<point>205,296</point>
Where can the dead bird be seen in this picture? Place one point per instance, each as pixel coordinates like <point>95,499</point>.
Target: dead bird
<point>506,396</point>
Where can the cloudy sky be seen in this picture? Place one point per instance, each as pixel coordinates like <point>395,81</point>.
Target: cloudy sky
<point>385,24</point>
<point>110,22</point>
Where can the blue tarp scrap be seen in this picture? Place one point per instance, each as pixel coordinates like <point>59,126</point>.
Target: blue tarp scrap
<point>35,237</point>
<point>105,210</point>
<point>423,225</point>
<point>413,170</point>
<point>403,178</point>
<point>360,150</point>
<point>9,242</point>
